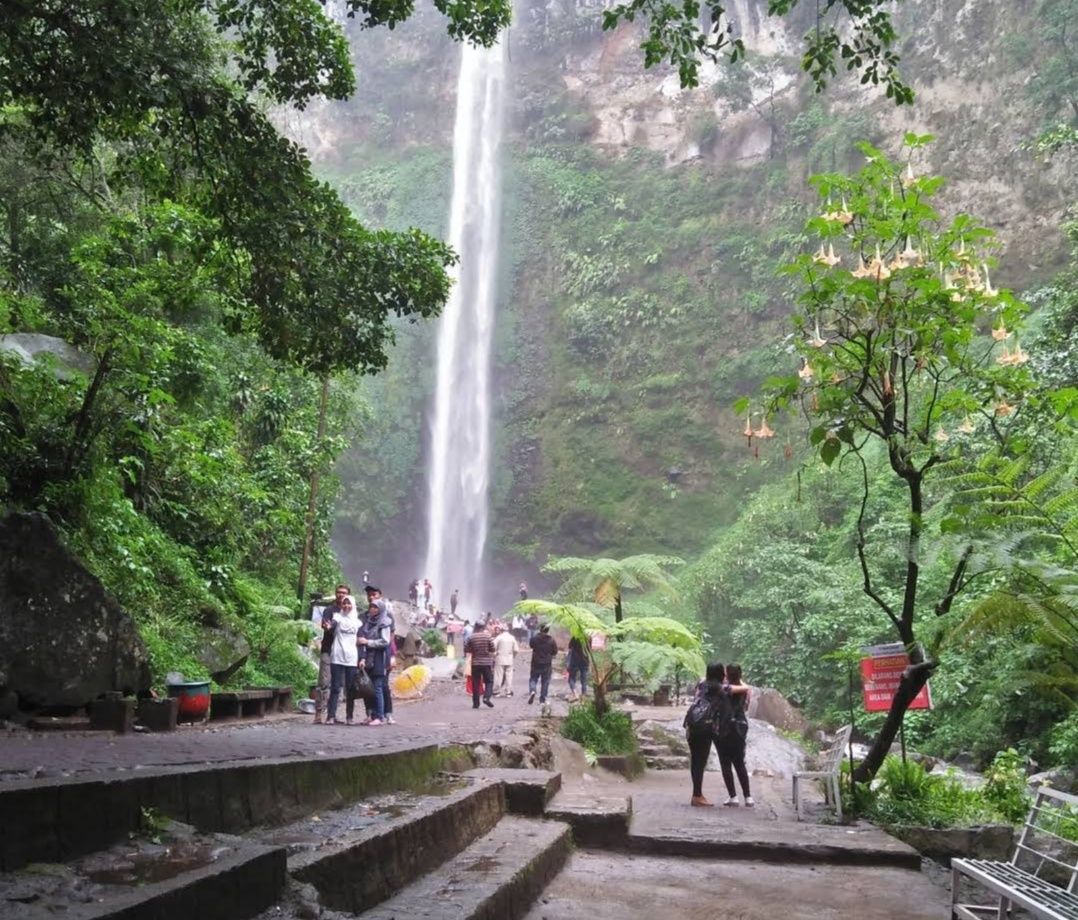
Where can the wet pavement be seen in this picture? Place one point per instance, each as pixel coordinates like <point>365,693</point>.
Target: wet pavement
<point>444,715</point>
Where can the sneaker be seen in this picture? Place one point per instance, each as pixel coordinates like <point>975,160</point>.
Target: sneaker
<point>390,720</point>
<point>732,801</point>
<point>347,721</point>
<point>489,703</point>
<point>330,721</point>
<point>366,721</point>
<point>749,803</point>
<point>531,697</point>
<point>374,722</point>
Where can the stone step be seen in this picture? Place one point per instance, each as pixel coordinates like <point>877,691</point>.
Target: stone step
<point>230,885</point>
<point>402,849</point>
<point>526,791</point>
<point>596,820</point>
<point>667,827</point>
<point>667,762</point>
<point>496,878</point>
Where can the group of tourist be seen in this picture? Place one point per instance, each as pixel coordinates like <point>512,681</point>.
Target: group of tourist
<point>493,652</point>
<point>355,641</point>
<point>718,716</point>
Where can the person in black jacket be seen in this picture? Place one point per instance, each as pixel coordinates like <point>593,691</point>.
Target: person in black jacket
<point>544,648</point>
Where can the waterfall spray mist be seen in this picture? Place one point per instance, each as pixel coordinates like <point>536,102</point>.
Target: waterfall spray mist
<point>460,442</point>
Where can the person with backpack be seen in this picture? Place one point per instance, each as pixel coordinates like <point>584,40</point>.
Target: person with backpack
<point>712,707</point>
<point>733,732</point>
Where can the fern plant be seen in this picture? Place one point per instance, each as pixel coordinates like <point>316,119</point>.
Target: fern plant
<point>604,581</point>
<point>641,646</point>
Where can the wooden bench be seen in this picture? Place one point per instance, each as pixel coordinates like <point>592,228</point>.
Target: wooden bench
<point>1041,875</point>
<point>828,767</point>
<point>240,704</point>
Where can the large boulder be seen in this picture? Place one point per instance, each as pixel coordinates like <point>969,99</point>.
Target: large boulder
<point>223,653</point>
<point>772,707</point>
<point>63,638</point>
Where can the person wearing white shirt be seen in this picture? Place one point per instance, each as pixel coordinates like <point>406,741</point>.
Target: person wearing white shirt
<point>344,658</point>
<point>505,653</point>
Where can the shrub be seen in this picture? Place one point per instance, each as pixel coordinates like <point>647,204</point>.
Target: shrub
<point>1005,786</point>
<point>612,733</point>
<point>434,641</point>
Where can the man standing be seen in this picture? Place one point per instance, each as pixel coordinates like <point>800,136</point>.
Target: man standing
<point>427,590</point>
<point>531,624</point>
<point>373,595</point>
<point>325,657</point>
<point>523,590</point>
<point>544,648</point>
<point>454,599</point>
<point>481,648</point>
<point>505,653</point>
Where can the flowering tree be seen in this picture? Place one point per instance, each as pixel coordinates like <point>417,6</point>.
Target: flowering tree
<point>902,342</point>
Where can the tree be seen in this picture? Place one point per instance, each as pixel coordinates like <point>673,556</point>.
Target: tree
<point>892,333</point>
<point>645,646</point>
<point>605,580</point>
<point>678,34</point>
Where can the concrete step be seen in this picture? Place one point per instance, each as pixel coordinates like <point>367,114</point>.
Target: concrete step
<point>667,762</point>
<point>526,791</point>
<point>496,878</point>
<point>663,826</point>
<point>596,820</point>
<point>372,864</point>
<point>226,882</point>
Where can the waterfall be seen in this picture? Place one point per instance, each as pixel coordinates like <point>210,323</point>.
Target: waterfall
<point>460,442</point>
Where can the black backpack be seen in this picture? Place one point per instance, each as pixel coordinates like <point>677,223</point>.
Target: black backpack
<point>700,719</point>
<point>730,719</point>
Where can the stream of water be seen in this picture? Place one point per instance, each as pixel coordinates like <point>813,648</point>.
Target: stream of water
<point>460,444</point>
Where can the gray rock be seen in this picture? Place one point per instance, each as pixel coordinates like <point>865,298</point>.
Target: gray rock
<point>64,640</point>
<point>223,653</point>
<point>768,705</point>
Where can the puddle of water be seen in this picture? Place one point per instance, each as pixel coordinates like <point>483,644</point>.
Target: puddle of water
<point>144,868</point>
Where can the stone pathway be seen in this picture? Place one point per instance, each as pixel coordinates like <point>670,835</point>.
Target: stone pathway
<point>445,715</point>
<point>616,886</point>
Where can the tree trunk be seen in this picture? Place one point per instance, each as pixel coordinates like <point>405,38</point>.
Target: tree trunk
<point>602,707</point>
<point>312,501</point>
<point>913,680</point>
<point>617,607</point>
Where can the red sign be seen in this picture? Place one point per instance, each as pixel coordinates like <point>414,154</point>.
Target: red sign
<point>880,677</point>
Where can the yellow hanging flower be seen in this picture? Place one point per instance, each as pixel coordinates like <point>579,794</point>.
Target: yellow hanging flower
<point>909,178</point>
<point>988,291</point>
<point>967,426</point>
<point>1003,409</point>
<point>817,341</point>
<point>806,372</point>
<point>862,270</point>
<point>1000,333</point>
<point>763,432</point>
<point>941,436</point>
<point>910,255</point>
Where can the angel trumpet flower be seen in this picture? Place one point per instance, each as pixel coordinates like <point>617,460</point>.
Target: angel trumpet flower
<point>941,436</point>
<point>763,432</point>
<point>989,291</point>
<point>909,178</point>
<point>806,372</point>
<point>1000,333</point>
<point>967,426</point>
<point>817,341</point>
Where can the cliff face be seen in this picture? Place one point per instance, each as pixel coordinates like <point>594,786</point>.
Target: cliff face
<point>643,226</point>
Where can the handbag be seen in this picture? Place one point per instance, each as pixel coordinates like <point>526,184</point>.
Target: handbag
<point>362,685</point>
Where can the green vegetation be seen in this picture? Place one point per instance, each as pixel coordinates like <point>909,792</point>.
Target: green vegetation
<point>608,733</point>
<point>156,221</point>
